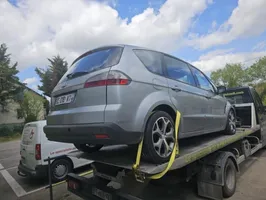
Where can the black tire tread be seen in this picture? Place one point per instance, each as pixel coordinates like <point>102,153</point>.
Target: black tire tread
<point>55,162</point>
<point>148,151</point>
<point>226,191</point>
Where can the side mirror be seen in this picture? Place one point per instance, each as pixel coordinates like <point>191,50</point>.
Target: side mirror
<point>221,89</point>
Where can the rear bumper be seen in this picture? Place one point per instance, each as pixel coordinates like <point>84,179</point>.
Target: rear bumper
<point>40,171</point>
<point>86,134</point>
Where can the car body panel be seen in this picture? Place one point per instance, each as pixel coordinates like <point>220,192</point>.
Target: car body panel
<point>126,108</point>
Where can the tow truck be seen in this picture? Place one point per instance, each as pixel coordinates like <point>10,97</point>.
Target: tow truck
<point>213,159</point>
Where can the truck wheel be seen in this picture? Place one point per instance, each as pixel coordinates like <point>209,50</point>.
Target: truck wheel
<point>60,168</point>
<point>229,187</point>
<point>159,137</point>
<point>231,123</point>
<point>88,148</point>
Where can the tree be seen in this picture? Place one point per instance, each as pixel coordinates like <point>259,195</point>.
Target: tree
<point>257,71</point>
<point>9,84</point>
<point>51,76</point>
<point>232,75</point>
<point>31,108</point>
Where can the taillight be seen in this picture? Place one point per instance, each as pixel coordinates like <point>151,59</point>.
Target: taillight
<point>38,152</point>
<point>108,78</point>
<point>73,185</point>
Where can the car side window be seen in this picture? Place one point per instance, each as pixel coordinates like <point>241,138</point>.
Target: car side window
<point>204,83</point>
<point>178,70</point>
<point>151,59</point>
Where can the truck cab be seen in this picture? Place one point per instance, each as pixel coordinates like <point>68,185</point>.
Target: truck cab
<point>243,98</point>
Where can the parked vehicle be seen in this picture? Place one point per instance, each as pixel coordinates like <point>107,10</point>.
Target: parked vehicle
<point>116,94</point>
<point>35,148</point>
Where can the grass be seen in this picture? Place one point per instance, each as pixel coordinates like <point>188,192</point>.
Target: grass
<point>16,136</point>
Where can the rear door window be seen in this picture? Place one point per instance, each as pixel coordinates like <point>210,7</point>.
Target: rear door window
<point>178,70</point>
<point>152,60</point>
<point>96,60</point>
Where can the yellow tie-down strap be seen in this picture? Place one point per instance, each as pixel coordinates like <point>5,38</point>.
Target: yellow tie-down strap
<point>172,157</point>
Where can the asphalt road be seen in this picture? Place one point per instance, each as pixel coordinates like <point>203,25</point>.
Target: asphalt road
<point>251,183</point>
<point>17,186</point>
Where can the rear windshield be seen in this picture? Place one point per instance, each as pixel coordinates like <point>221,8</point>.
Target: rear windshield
<point>95,60</point>
<point>238,96</point>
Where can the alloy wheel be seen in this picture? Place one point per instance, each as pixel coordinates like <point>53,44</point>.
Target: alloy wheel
<point>232,121</point>
<point>163,137</point>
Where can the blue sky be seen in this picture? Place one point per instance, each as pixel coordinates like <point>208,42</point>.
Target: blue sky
<point>212,33</point>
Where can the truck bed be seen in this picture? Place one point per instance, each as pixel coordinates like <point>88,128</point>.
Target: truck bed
<point>190,149</point>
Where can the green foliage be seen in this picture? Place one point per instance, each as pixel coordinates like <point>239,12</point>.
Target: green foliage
<point>232,75</point>
<point>6,131</point>
<point>51,76</point>
<point>31,108</point>
<point>9,84</point>
<point>257,71</point>
<point>261,89</point>
<point>10,129</point>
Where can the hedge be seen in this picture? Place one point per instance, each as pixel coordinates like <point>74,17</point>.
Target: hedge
<point>10,129</point>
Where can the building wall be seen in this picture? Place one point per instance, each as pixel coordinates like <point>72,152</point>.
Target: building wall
<point>10,117</point>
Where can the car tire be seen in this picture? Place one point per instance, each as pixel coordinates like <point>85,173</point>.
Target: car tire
<point>60,168</point>
<point>229,187</point>
<point>159,138</point>
<point>231,123</point>
<point>88,148</point>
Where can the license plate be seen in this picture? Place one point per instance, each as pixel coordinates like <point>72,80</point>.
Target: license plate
<point>64,99</point>
<point>101,194</point>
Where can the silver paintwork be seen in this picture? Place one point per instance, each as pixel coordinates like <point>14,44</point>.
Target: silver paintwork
<point>130,106</point>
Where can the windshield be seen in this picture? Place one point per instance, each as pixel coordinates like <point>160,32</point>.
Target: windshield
<point>238,96</point>
<point>94,61</point>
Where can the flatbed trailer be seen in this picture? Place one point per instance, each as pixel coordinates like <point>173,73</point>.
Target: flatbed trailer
<point>213,159</point>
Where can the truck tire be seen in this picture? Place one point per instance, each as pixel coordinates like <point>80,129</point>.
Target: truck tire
<point>88,148</point>
<point>159,138</point>
<point>60,168</point>
<point>229,187</point>
<point>231,123</point>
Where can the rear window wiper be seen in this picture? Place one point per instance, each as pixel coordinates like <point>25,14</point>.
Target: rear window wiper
<point>76,74</point>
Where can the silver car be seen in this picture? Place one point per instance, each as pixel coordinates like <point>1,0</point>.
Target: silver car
<point>120,94</point>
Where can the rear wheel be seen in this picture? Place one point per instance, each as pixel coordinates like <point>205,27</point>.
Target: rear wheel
<point>60,168</point>
<point>231,123</point>
<point>88,148</point>
<point>229,187</point>
<point>159,137</point>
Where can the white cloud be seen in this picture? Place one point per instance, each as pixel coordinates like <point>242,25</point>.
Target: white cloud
<point>260,46</point>
<point>34,87</point>
<point>39,29</point>
<point>218,59</point>
<point>247,19</point>
<point>30,81</point>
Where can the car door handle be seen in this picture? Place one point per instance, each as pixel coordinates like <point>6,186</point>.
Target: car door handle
<point>207,97</point>
<point>176,88</point>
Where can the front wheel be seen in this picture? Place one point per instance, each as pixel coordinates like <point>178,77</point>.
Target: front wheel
<point>88,148</point>
<point>159,137</point>
<point>231,123</point>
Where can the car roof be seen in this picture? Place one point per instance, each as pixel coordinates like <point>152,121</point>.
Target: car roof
<point>129,47</point>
